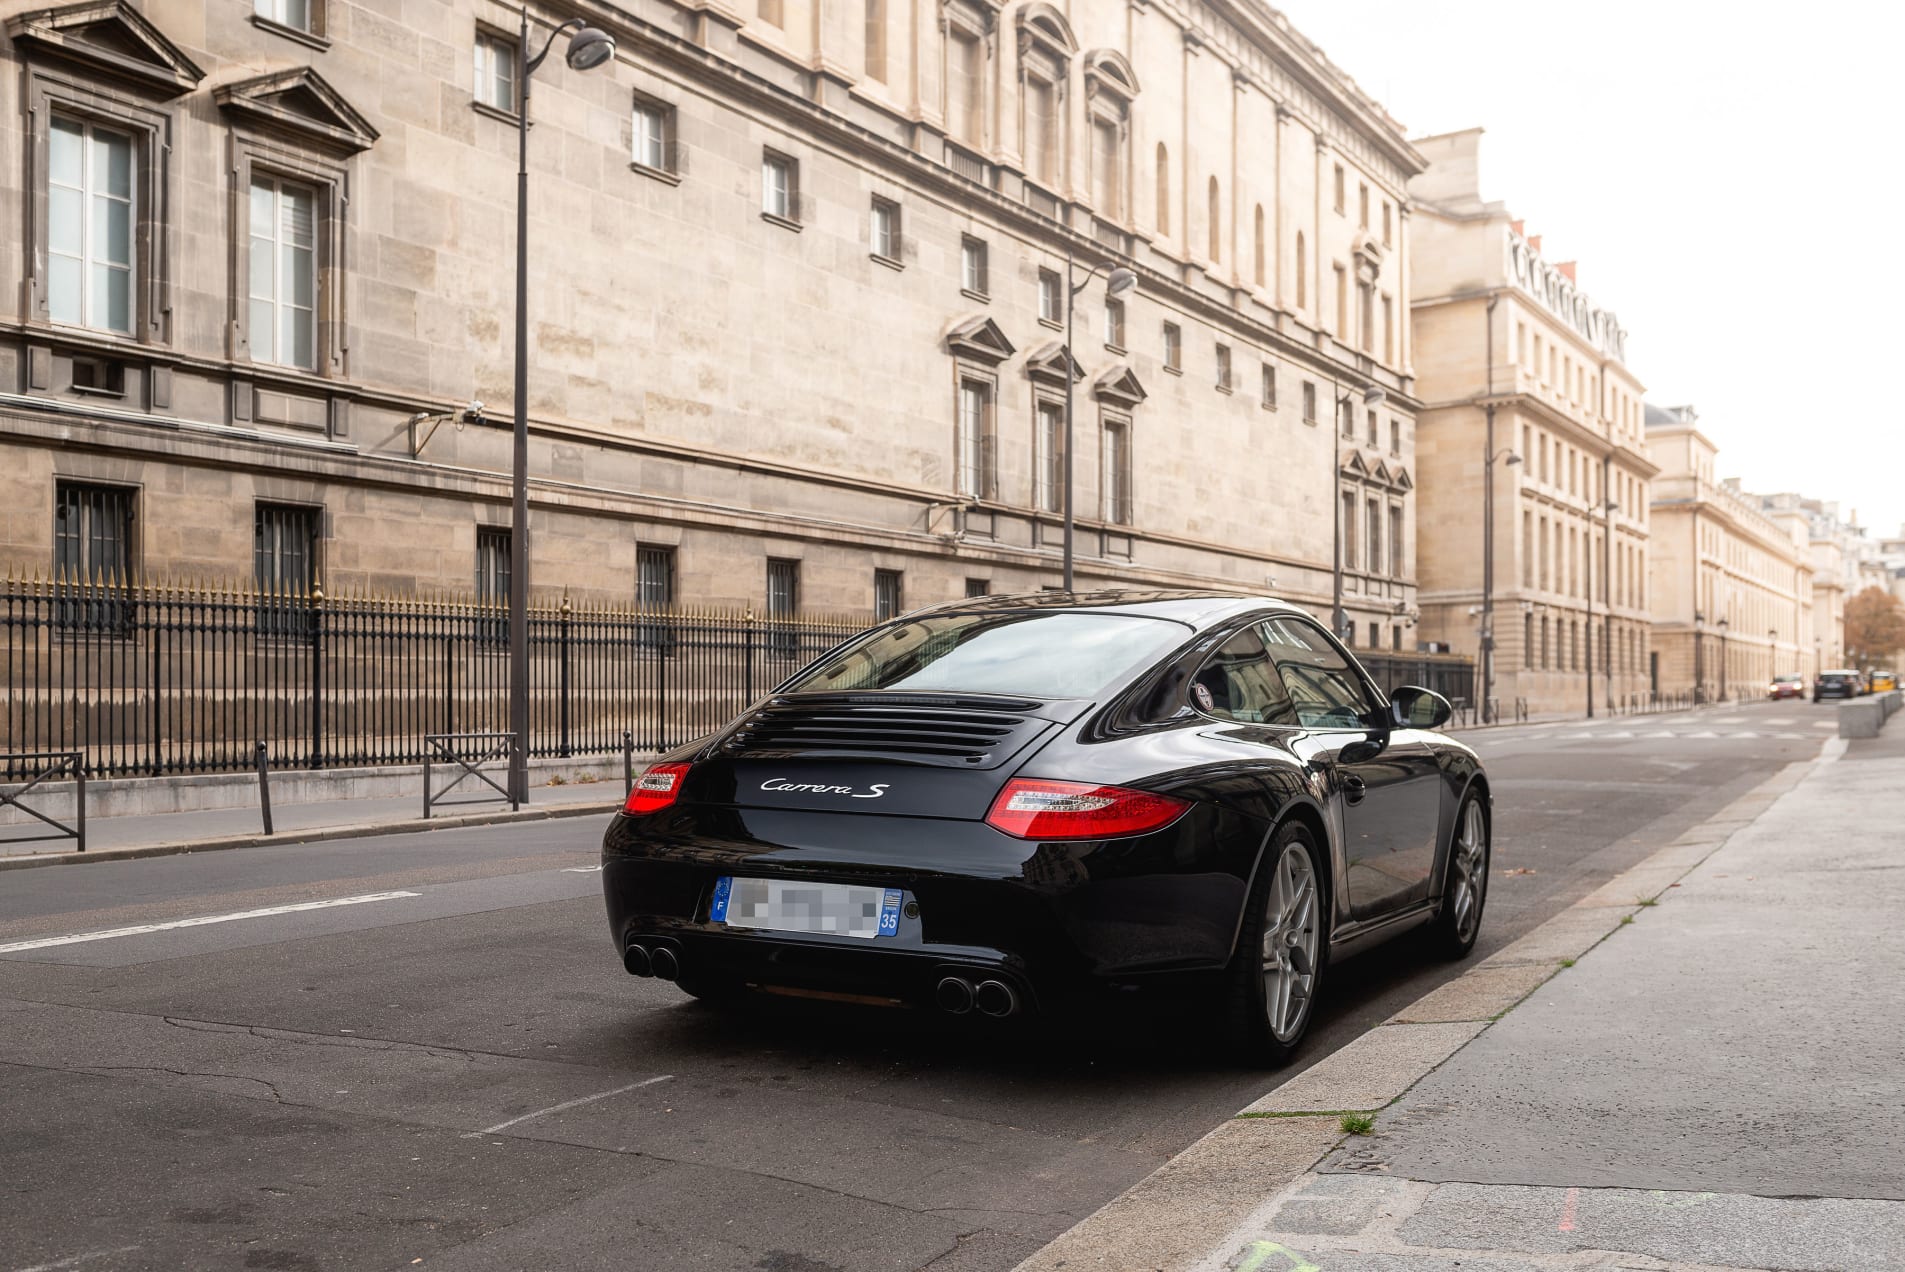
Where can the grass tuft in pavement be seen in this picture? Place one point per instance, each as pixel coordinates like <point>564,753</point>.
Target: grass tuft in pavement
<point>1646,900</point>
<point>1567,962</point>
<point>1357,1123</point>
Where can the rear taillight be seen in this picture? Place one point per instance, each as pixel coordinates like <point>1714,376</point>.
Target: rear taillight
<point>1031,809</point>
<point>656,788</point>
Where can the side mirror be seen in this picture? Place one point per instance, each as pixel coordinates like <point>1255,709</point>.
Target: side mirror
<point>1413,707</point>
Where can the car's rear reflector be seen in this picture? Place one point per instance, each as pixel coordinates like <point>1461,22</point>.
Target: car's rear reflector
<point>656,788</point>
<point>1031,809</point>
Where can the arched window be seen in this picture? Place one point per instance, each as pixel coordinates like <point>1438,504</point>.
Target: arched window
<point>1258,274</point>
<point>1302,274</point>
<point>1216,225</point>
<point>1164,190</point>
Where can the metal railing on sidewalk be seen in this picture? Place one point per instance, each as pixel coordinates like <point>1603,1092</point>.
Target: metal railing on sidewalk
<point>149,678</point>
<point>44,766</point>
<point>469,752</point>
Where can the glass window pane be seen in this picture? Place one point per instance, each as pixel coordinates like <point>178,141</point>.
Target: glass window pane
<point>112,298</point>
<point>263,278</point>
<point>298,338</point>
<point>263,347</point>
<point>299,210</point>
<point>112,164</point>
<point>64,226</point>
<point>297,13</point>
<point>63,152</point>
<point>300,277</point>
<point>262,211</point>
<point>63,295</point>
<point>112,230</point>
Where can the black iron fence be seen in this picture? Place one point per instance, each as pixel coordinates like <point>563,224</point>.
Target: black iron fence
<point>147,678</point>
<point>1451,675</point>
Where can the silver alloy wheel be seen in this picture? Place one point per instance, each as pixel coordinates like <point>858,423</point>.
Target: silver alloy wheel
<point>1469,861</point>
<point>1289,943</point>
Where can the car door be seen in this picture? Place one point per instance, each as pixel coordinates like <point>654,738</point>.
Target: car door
<point>1386,780</point>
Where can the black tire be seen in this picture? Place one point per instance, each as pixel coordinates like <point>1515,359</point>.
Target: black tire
<point>1457,926</point>
<point>1246,1006</point>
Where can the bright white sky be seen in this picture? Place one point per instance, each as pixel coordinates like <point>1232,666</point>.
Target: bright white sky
<point>1722,172</point>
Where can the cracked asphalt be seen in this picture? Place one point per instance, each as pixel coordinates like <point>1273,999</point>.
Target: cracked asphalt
<point>463,1077</point>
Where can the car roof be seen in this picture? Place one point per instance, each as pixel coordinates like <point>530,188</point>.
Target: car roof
<point>1194,607</point>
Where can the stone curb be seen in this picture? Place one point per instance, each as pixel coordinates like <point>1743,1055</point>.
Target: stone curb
<point>317,834</point>
<point>1167,1221</point>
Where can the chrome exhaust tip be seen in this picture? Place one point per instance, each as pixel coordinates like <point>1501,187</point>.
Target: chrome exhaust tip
<point>635,959</point>
<point>665,962</point>
<point>955,995</point>
<point>996,998</point>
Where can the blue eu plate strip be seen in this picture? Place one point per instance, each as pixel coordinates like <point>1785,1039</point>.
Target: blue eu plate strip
<point>718,910</point>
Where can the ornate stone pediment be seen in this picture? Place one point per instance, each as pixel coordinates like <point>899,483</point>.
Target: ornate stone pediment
<point>1110,70</point>
<point>1040,23</point>
<point>112,38</point>
<point>1380,473</point>
<point>1050,361</point>
<point>300,102</point>
<point>1118,385</point>
<point>1352,464</point>
<point>979,338</point>
<point>1400,479</point>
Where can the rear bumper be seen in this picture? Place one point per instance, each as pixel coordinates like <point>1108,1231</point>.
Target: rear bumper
<point>1053,921</point>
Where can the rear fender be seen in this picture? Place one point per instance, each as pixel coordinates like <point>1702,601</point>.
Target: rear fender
<point>1311,815</point>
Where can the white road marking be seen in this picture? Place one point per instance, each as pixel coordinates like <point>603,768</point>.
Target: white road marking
<point>74,1261</point>
<point>580,869</point>
<point>566,1104</point>
<point>80,938</point>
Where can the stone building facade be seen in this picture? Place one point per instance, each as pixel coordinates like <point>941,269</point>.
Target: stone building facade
<point>1733,573</point>
<point>1524,384</point>
<point>796,315</point>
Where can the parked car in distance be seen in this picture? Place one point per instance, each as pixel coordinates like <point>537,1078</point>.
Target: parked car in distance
<point>1884,681</point>
<point>1842,682</point>
<point>1790,685</point>
<point>996,806</point>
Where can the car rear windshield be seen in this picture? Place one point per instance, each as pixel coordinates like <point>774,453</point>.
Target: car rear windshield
<point>1039,654</point>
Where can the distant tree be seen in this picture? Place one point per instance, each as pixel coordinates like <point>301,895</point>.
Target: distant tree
<point>1874,627</point>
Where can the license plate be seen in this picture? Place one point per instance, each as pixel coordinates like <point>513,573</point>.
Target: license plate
<point>791,905</point>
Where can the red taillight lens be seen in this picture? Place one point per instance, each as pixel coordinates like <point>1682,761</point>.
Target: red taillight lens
<point>656,788</point>
<point>1030,809</point>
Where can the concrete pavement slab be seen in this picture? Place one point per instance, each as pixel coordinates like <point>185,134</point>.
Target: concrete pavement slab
<point>1484,993</point>
<point>1371,1071</point>
<point>1815,1234</point>
<point>1741,1037</point>
<point>1569,934</point>
<point>1170,1218</point>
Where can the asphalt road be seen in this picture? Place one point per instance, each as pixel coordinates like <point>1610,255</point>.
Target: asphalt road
<point>456,1072</point>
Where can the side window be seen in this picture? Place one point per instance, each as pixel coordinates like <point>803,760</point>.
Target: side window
<point>1324,689</point>
<point>1238,683</point>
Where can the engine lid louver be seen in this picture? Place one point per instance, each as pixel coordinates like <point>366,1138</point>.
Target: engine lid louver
<point>952,731</point>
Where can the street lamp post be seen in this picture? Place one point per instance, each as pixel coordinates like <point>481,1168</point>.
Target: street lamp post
<point>1371,396</point>
<point>589,47</point>
<point>1772,653</point>
<point>1722,625</point>
<point>1488,562</point>
<point>1608,508</point>
<point>1117,282</point>
<point>1699,662</point>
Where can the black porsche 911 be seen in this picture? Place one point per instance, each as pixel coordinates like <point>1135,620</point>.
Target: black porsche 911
<point>998,805</point>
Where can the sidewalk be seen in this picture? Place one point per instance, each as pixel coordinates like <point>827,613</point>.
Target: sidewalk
<point>1716,1085</point>
<point>206,829</point>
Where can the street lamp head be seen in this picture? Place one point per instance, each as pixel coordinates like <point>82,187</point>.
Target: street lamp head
<point>1513,459</point>
<point>1119,281</point>
<point>589,48</point>
<point>1374,395</point>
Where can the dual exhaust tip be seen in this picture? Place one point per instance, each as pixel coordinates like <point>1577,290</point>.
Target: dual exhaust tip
<point>958,995</point>
<point>660,962</point>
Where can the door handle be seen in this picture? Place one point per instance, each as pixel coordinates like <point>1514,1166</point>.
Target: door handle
<point>1353,789</point>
